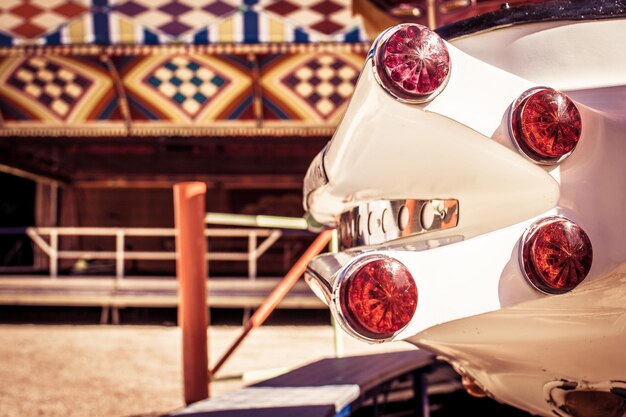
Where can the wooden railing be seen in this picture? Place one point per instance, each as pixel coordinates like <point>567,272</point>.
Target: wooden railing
<point>47,239</point>
<point>114,291</point>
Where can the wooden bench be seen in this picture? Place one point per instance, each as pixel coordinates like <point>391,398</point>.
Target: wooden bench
<point>110,293</point>
<point>326,388</point>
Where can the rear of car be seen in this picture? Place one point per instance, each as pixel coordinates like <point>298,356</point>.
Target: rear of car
<point>477,187</point>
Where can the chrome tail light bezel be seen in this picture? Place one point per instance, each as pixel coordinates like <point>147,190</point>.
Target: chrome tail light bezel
<point>337,300</point>
<point>376,55</point>
<point>514,113</point>
<point>523,247</point>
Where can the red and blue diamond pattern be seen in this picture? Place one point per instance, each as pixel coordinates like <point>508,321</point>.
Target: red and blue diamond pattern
<point>109,22</point>
<point>180,94</point>
<point>326,17</point>
<point>55,87</point>
<point>57,91</point>
<point>308,87</point>
<point>187,89</point>
<point>186,83</point>
<point>29,19</point>
<point>325,82</point>
<point>130,90</point>
<point>175,18</point>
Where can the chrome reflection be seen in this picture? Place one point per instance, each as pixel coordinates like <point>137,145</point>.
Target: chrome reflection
<point>315,177</point>
<point>582,398</point>
<point>342,312</point>
<point>325,273</point>
<point>432,60</point>
<point>515,132</point>
<point>378,222</point>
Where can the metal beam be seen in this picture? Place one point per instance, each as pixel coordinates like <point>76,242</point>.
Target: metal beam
<point>22,173</point>
<point>277,295</point>
<point>279,222</point>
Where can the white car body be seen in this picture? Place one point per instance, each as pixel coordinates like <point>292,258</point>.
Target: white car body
<point>476,309</point>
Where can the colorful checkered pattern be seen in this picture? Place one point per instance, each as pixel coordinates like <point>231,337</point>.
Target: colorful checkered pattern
<point>32,18</point>
<point>55,87</point>
<point>112,22</point>
<point>327,17</point>
<point>189,84</point>
<point>180,93</point>
<point>176,17</point>
<point>325,82</point>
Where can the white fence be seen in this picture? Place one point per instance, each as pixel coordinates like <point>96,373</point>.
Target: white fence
<point>47,239</point>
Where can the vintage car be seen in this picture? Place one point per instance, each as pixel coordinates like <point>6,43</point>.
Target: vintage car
<point>478,185</point>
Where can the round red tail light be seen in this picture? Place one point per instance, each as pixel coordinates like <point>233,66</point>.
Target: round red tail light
<point>556,255</point>
<point>545,125</point>
<point>377,297</point>
<point>412,62</point>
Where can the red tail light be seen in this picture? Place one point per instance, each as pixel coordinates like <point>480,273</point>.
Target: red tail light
<point>412,63</point>
<point>377,297</point>
<point>545,125</point>
<point>556,255</point>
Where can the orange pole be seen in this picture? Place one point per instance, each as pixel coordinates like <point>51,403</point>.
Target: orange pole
<point>277,295</point>
<point>191,270</point>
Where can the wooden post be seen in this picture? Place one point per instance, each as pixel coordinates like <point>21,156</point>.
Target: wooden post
<point>191,269</point>
<point>54,253</point>
<point>119,256</point>
<point>252,267</point>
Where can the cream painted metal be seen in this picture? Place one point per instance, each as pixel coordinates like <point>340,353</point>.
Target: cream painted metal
<point>565,55</point>
<point>430,157</point>
<point>475,307</point>
<point>516,353</point>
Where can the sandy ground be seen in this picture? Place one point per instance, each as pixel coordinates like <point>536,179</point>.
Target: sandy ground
<point>50,370</point>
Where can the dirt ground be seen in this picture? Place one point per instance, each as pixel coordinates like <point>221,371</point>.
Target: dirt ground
<point>68,370</point>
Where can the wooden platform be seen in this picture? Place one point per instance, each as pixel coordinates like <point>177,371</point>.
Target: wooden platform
<point>329,387</point>
<point>144,292</point>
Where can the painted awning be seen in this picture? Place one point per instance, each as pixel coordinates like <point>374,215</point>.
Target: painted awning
<point>199,22</point>
<point>177,67</point>
<point>179,91</point>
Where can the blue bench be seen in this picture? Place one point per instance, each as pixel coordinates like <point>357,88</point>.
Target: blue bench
<point>326,388</point>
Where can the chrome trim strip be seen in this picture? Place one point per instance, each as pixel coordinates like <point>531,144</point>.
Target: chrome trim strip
<point>549,11</point>
<point>320,287</point>
<point>555,391</point>
<point>315,176</point>
<point>378,222</point>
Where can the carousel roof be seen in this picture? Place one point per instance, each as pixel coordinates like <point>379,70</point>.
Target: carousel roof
<point>199,22</point>
<point>177,67</point>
